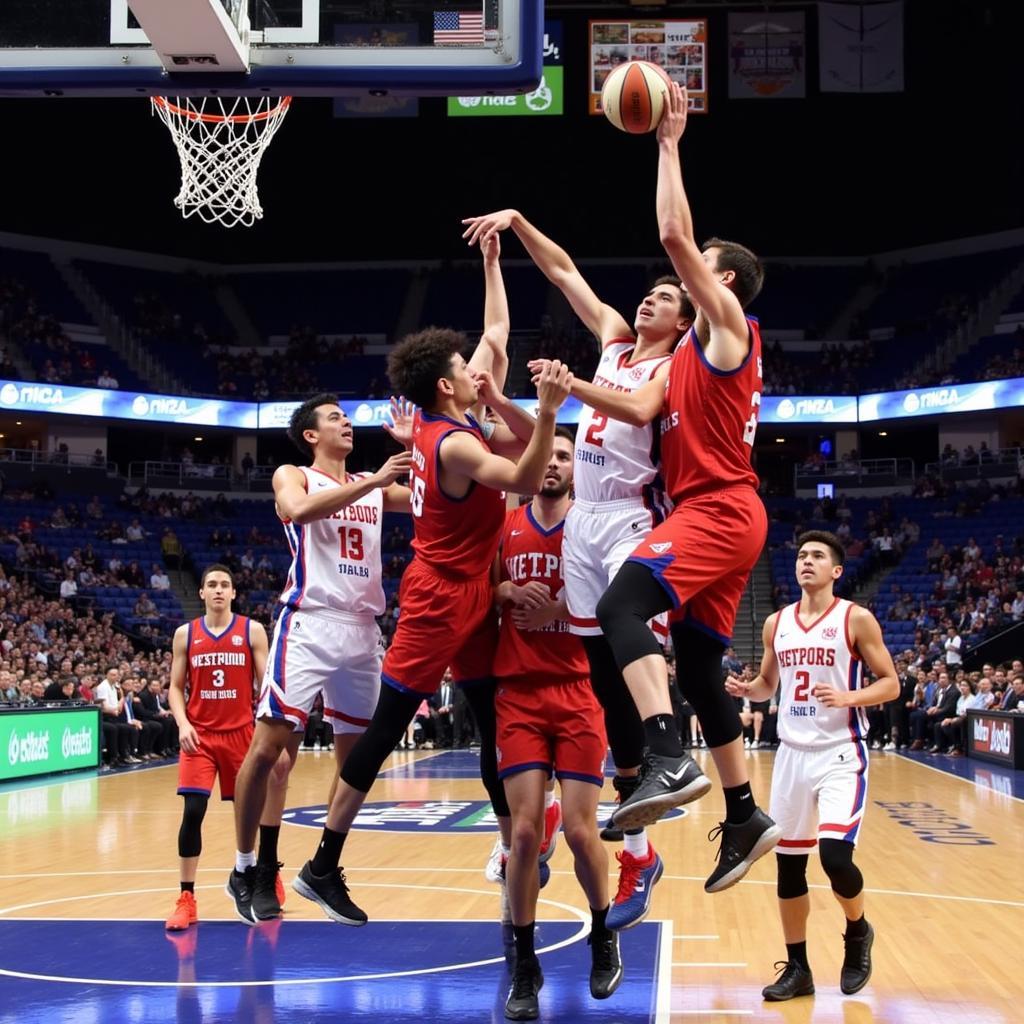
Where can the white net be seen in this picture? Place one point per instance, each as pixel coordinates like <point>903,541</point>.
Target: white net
<point>220,142</point>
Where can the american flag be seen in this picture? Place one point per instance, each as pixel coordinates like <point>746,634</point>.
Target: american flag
<point>458,27</point>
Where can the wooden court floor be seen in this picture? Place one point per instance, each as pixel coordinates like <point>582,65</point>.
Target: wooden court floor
<point>942,859</point>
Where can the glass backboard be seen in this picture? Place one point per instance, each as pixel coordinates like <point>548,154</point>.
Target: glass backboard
<point>292,47</point>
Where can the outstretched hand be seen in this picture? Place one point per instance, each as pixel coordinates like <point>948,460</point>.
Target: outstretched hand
<point>400,427</point>
<point>736,687</point>
<point>673,120</point>
<point>481,229</point>
<point>554,382</point>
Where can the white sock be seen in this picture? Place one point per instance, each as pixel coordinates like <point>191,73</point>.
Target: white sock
<point>637,845</point>
<point>549,798</point>
<point>244,860</point>
<point>505,851</point>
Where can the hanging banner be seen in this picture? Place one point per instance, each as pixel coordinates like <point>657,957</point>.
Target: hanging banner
<point>767,56</point>
<point>861,47</point>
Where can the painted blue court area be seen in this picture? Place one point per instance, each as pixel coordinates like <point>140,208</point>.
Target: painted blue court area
<point>988,775</point>
<point>451,764</point>
<point>220,971</point>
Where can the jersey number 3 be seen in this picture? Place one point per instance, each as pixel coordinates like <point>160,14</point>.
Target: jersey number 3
<point>750,427</point>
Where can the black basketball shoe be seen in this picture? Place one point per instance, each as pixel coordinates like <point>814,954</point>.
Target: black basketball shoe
<point>331,893</point>
<point>665,782</point>
<point>522,1001</point>
<point>240,887</point>
<point>794,980</point>
<point>741,846</point>
<point>625,787</point>
<point>605,964</point>
<point>265,905</point>
<point>856,963</point>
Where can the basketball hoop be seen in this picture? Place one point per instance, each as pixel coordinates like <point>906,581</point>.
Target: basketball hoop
<point>220,142</point>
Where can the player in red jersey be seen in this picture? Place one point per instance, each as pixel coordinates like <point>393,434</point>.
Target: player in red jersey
<point>447,615</point>
<point>548,720</point>
<point>697,562</point>
<point>217,662</point>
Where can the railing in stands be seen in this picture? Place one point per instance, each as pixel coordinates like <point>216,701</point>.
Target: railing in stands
<point>34,457</point>
<point>200,476</point>
<point>1001,462</point>
<point>851,473</point>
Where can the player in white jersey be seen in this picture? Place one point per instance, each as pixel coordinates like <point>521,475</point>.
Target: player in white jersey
<point>619,498</point>
<point>814,654</point>
<point>326,637</point>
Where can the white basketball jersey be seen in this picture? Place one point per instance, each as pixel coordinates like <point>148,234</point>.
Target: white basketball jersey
<point>615,460</point>
<point>810,653</point>
<point>336,561</point>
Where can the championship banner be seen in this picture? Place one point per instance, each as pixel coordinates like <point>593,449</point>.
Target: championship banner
<point>767,56</point>
<point>861,47</point>
<point>679,48</point>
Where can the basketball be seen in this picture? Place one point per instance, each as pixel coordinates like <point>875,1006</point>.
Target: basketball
<point>633,96</point>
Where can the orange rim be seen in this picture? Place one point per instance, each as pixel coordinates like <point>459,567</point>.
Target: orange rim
<point>194,115</point>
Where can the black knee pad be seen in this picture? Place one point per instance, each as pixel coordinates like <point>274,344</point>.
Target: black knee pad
<point>621,719</point>
<point>190,835</point>
<point>792,875</point>
<point>837,860</point>
<point>699,676</point>
<point>395,710</point>
<point>480,697</point>
<point>633,597</point>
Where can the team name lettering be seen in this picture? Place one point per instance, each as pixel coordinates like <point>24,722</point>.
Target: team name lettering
<point>417,457</point>
<point>346,569</point>
<point>807,656</point>
<point>218,658</point>
<point>669,422</point>
<point>604,382</point>
<point>357,514</point>
<point>218,694</point>
<point>533,565</point>
<point>582,455</point>
<point>802,710</point>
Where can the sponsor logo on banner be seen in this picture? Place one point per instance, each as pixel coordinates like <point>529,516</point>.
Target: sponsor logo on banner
<point>30,394</point>
<point>992,736</point>
<point>28,748</point>
<point>767,56</point>
<point>76,743</point>
<point>456,817</point>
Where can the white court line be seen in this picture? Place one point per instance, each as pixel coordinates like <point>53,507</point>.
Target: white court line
<point>290,982</point>
<point>694,963</point>
<point>677,938</point>
<point>663,984</point>
<point>713,1012</point>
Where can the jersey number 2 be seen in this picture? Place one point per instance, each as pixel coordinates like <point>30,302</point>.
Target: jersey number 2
<point>596,429</point>
<point>803,684</point>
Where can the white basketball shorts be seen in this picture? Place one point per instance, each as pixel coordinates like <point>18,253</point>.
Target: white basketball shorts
<point>318,650</point>
<point>819,794</point>
<point>598,537</point>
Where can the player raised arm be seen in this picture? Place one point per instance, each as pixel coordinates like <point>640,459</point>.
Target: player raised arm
<point>865,638</point>
<point>765,684</point>
<point>187,735</point>
<point>729,337</point>
<point>295,503</point>
<point>462,454</point>
<point>491,353</point>
<point>557,266</point>
<point>637,408</point>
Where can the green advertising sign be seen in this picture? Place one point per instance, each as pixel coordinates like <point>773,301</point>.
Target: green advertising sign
<point>44,741</point>
<point>545,100</point>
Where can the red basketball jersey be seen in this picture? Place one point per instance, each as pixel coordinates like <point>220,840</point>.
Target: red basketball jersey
<point>550,654</point>
<point>456,537</point>
<point>709,420</point>
<point>219,676</point>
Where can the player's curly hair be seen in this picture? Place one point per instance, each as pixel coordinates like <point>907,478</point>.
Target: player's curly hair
<point>304,418</point>
<point>419,360</point>
<point>748,268</point>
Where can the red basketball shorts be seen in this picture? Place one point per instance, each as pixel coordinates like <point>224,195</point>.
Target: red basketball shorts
<point>443,624</point>
<point>702,555</point>
<point>219,753</point>
<point>552,727</point>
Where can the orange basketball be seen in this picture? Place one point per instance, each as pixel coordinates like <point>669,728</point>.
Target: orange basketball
<point>633,96</point>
